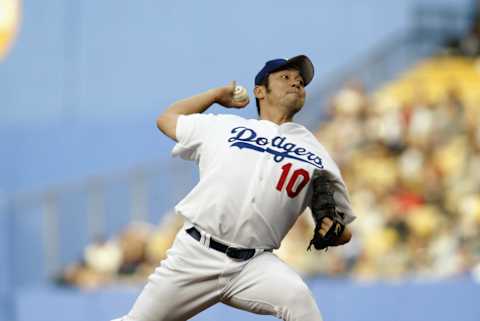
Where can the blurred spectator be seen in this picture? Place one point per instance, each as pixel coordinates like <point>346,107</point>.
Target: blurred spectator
<point>133,243</point>
<point>128,258</point>
<point>469,44</point>
<point>162,238</point>
<point>103,256</point>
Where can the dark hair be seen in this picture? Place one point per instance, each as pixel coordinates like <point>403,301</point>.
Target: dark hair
<point>263,83</point>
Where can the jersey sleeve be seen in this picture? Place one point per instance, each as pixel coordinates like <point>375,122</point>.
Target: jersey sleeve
<point>192,132</point>
<point>342,200</point>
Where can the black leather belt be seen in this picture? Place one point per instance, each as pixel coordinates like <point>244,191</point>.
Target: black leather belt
<point>233,252</point>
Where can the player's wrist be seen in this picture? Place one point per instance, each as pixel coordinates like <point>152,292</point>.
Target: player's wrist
<point>216,94</point>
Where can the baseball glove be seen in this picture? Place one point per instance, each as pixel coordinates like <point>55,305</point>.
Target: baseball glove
<point>323,205</point>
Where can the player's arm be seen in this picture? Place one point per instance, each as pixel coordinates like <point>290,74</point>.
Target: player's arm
<point>167,122</point>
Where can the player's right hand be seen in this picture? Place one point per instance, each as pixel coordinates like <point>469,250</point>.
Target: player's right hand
<point>224,97</point>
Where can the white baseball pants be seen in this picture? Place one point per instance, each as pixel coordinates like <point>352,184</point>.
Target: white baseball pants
<point>194,277</point>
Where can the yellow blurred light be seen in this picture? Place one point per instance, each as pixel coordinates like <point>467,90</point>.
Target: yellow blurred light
<point>9,19</point>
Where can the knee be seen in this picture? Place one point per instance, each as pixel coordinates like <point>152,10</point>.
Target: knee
<point>300,294</point>
<point>300,304</point>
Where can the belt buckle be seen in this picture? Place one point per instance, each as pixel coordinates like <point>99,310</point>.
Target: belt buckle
<point>229,252</point>
<point>238,254</point>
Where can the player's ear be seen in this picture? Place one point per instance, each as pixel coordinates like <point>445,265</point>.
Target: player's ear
<point>259,92</point>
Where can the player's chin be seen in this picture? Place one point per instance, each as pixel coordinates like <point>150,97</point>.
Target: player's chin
<point>295,103</point>
<point>298,105</point>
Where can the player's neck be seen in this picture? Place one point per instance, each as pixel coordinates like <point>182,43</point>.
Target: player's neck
<point>276,117</point>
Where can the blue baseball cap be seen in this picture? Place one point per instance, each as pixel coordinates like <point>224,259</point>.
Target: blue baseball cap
<point>301,62</point>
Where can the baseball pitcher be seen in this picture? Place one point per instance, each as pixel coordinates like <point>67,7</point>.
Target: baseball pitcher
<point>256,177</point>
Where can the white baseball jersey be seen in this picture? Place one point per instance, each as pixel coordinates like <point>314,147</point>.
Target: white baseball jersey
<point>254,177</point>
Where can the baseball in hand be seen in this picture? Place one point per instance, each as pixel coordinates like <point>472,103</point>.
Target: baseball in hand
<point>240,93</point>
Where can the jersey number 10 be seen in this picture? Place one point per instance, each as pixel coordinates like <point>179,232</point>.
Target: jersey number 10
<point>297,174</point>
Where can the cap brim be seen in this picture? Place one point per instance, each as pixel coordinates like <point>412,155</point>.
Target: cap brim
<point>304,65</point>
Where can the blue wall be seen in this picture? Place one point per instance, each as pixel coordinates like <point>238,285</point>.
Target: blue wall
<point>6,273</point>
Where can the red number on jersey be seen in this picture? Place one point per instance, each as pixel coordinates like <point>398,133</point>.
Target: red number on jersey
<point>297,174</point>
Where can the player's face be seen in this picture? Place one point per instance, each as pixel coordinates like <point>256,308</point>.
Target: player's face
<point>286,89</point>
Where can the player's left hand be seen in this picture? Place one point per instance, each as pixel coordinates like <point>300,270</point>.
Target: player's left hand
<point>329,225</point>
<point>224,97</point>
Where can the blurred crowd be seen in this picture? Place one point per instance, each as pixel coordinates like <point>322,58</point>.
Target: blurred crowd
<point>127,258</point>
<point>412,166</point>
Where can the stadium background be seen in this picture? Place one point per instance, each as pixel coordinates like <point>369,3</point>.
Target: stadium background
<point>81,84</point>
